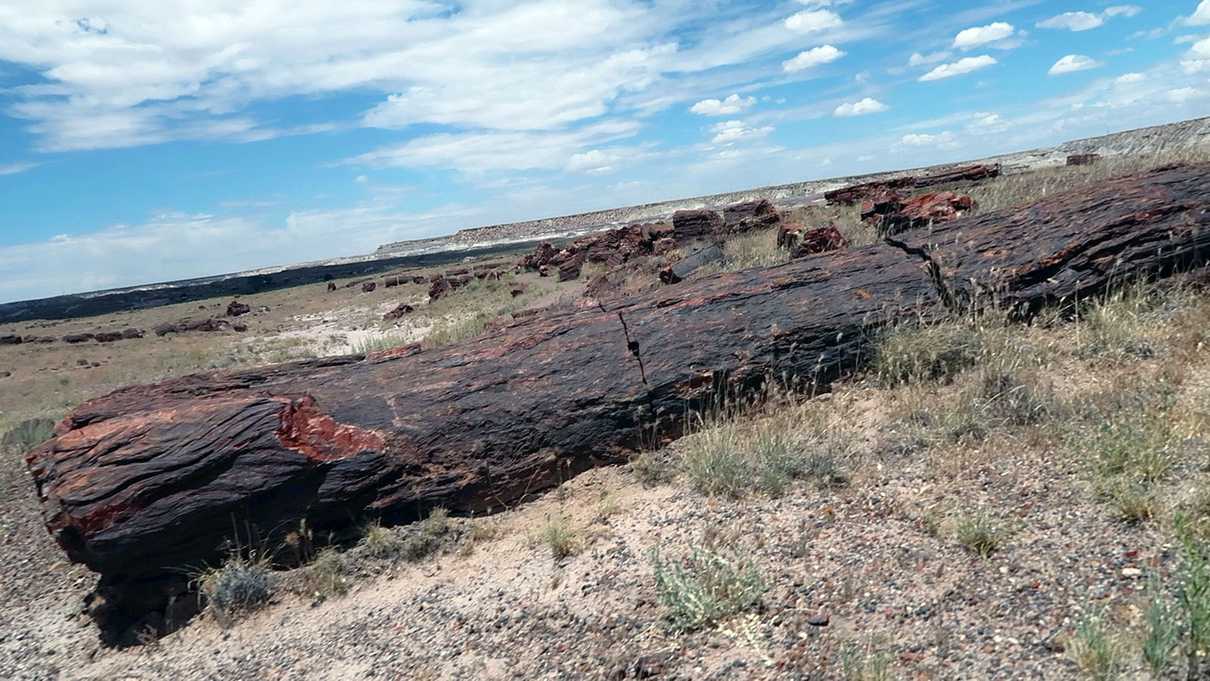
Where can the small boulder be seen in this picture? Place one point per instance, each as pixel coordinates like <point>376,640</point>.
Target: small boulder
<point>108,336</point>
<point>369,287</point>
<point>331,286</point>
<point>516,290</point>
<point>749,215</point>
<point>77,338</point>
<point>10,339</point>
<point>819,240</point>
<point>570,269</point>
<point>401,310</point>
<point>1083,159</point>
<point>236,308</point>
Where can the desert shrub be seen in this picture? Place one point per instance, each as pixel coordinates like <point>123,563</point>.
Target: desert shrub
<point>651,469</point>
<point>910,353</point>
<point>425,537</point>
<point>454,330</point>
<point>381,343</point>
<point>705,587</point>
<point>1096,650</point>
<point>240,585</point>
<point>1162,632</point>
<point>979,534</point>
<point>27,434</point>
<point>381,542</point>
<point>560,536</point>
<point>327,576</point>
<point>860,662</point>
<point>732,458</point>
<point>758,249</point>
<point>1194,599</point>
<point>1118,326</point>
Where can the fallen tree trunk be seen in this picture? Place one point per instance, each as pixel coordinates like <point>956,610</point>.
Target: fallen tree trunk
<point>151,479</point>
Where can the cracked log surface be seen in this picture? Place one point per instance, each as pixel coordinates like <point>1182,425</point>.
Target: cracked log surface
<point>152,479</point>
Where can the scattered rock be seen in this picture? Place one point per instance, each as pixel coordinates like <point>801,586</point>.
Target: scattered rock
<point>5,374</point>
<point>419,279</point>
<point>516,290</point>
<point>1083,159</point>
<point>77,338</point>
<point>239,327</point>
<point>570,269</point>
<point>892,213</point>
<point>803,242</point>
<point>199,325</point>
<point>331,286</point>
<point>369,287</point>
<point>236,308</point>
<point>10,339</point>
<point>401,310</point>
<point>542,255</point>
<point>108,336</point>
<point>132,333</point>
<point>820,619</point>
<point>391,282</point>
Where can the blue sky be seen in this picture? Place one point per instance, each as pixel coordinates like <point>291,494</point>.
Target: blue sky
<point>143,141</point>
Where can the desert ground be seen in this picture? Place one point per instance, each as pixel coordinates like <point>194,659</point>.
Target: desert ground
<point>988,499</point>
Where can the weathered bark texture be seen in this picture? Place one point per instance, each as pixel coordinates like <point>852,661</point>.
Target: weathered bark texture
<point>151,479</point>
<point>681,269</point>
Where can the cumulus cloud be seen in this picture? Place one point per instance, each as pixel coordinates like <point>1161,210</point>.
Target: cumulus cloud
<point>961,67</point>
<point>730,132</point>
<point>981,35</point>
<point>1072,63</point>
<point>1073,21</point>
<point>813,21</point>
<point>941,140</point>
<point>1197,60</point>
<point>1185,94</point>
<point>861,107</point>
<point>726,107</point>
<point>1201,15</point>
<point>1129,78</point>
<point>918,59</point>
<point>811,58</point>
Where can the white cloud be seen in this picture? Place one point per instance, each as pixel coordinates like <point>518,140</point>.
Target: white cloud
<point>1185,94</point>
<point>813,57</point>
<point>1197,59</point>
<point>918,59</point>
<point>18,167</point>
<point>1072,63</point>
<point>176,245</point>
<point>602,161</point>
<point>942,140</point>
<point>813,21</point>
<point>1201,15</point>
<point>982,35</point>
<point>1129,78</point>
<point>862,107</point>
<point>1073,21</point>
<point>1123,11</point>
<point>961,67</point>
<point>730,132</point>
<point>484,152</point>
<point>727,107</point>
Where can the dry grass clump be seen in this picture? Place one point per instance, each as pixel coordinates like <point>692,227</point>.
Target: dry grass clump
<point>757,249</point>
<point>734,454</point>
<point>1098,651</point>
<point>327,576</point>
<point>560,536</point>
<point>979,534</point>
<point>27,434</point>
<point>238,586</point>
<point>865,662</point>
<point>705,587</point>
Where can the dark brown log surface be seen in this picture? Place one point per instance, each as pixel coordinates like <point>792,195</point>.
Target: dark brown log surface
<point>152,479</point>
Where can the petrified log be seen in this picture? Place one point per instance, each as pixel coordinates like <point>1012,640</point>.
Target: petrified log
<point>569,270</point>
<point>149,480</point>
<point>855,194</point>
<point>681,269</point>
<point>891,213</point>
<point>10,339</point>
<point>236,308</point>
<point>369,287</point>
<point>77,338</point>
<point>744,217</point>
<point>696,224</point>
<point>187,325</point>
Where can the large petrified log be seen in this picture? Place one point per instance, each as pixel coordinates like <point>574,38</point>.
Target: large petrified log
<point>149,480</point>
<point>855,194</point>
